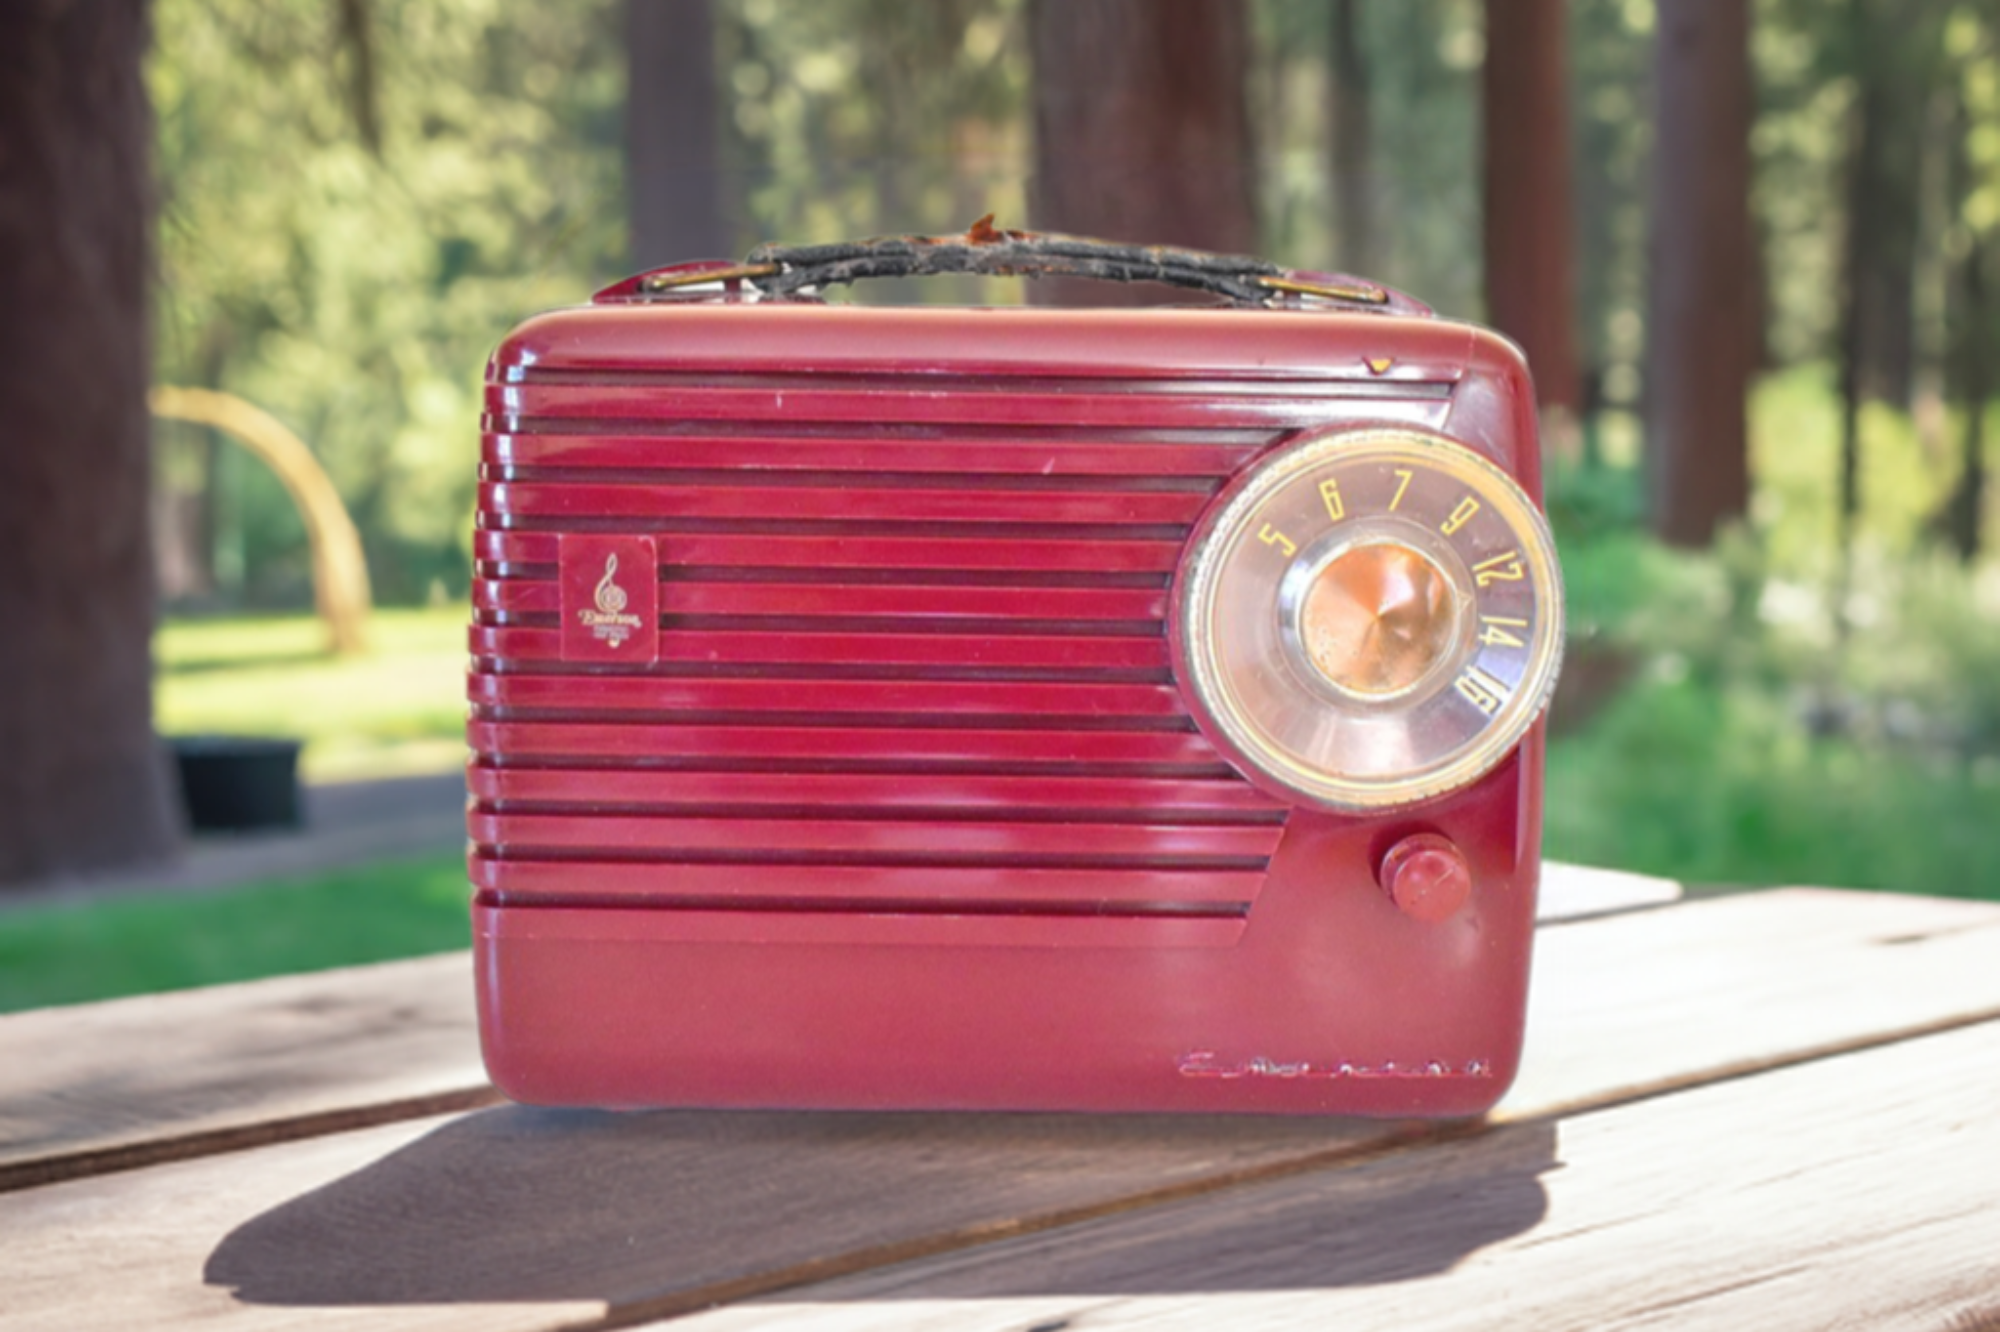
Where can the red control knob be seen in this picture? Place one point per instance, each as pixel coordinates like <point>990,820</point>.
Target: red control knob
<point>1426,875</point>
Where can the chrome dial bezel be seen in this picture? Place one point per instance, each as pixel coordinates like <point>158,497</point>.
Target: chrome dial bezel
<point>1282,720</point>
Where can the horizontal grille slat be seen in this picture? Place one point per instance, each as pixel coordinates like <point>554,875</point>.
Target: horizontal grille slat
<point>778,504</point>
<point>1009,383</point>
<point>985,886</point>
<point>640,742</point>
<point>939,602</point>
<point>589,788</point>
<point>944,698</point>
<point>887,649</point>
<point>512,406</point>
<point>798,717</point>
<point>935,841</point>
<point>937,453</point>
<point>723,549</point>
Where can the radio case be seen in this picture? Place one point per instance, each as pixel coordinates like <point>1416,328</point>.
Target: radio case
<point>830,748</point>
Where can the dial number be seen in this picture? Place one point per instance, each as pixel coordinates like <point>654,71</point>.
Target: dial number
<point>1329,494</point>
<point>1402,485</point>
<point>1459,516</point>
<point>1498,569</point>
<point>1481,690</point>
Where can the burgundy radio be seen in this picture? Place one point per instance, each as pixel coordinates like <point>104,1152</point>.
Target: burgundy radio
<point>1025,708</point>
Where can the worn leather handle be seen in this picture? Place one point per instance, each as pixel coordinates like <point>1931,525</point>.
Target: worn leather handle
<point>782,270</point>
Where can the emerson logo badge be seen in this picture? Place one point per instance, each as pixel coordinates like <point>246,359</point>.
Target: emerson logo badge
<point>610,598</point>
<point>608,621</point>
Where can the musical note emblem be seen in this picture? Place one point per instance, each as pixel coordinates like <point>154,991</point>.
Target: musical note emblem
<point>610,596</point>
<point>608,621</point>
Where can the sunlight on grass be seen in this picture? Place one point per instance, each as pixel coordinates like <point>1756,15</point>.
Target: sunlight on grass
<point>399,708</point>
<point>1719,787</point>
<point>63,953</point>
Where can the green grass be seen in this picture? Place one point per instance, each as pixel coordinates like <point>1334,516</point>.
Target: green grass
<point>1726,788</point>
<point>400,707</point>
<point>63,953</point>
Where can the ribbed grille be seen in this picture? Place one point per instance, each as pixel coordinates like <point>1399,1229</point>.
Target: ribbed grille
<point>912,649</point>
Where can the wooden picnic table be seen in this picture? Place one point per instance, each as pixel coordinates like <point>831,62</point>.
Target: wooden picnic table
<point>1768,1110</point>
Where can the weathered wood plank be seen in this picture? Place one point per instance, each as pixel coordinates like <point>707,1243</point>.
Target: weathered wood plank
<point>1580,892</point>
<point>109,1086</point>
<point>1637,1004</point>
<point>1857,1191</point>
<point>517,1218</point>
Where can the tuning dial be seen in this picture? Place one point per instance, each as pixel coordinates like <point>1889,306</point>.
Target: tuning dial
<point>1372,617</point>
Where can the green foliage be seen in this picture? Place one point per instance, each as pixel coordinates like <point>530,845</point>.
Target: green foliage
<point>355,295</point>
<point>865,117</point>
<point>1422,58</point>
<point>1726,786</point>
<point>75,952</point>
<point>1771,732</point>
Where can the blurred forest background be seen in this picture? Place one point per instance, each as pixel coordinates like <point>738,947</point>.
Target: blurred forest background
<point>1798,682</point>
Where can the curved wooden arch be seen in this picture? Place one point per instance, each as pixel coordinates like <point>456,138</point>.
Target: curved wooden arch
<point>340,574</point>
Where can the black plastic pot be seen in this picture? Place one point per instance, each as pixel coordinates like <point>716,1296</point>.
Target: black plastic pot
<point>232,783</point>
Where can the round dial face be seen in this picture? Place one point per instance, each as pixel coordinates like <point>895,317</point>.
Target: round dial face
<point>1373,617</point>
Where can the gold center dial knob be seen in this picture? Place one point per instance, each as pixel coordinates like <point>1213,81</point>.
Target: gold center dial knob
<point>1378,618</point>
<point>1370,617</point>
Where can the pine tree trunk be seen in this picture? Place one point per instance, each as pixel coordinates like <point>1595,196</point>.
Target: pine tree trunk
<point>1142,131</point>
<point>1899,42</point>
<point>1353,166</point>
<point>1529,232</point>
<point>83,785</point>
<point>1967,505</point>
<point>673,171</point>
<point>1701,344</point>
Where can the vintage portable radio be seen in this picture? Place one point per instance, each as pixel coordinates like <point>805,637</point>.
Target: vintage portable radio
<point>1114,709</point>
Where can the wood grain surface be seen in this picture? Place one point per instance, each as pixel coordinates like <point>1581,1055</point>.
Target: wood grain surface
<point>519,1218</point>
<point>1858,1191</point>
<point>110,1086</point>
<point>1740,983</point>
<point>508,1217</point>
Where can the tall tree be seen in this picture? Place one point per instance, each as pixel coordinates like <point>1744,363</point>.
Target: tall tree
<point>673,173</point>
<point>1701,341</point>
<point>1969,326</point>
<point>1893,48</point>
<point>1352,142</point>
<point>1529,242</point>
<point>1973,370</point>
<point>84,786</point>
<point>1142,128</point>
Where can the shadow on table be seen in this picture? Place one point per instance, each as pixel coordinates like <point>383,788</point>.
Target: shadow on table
<point>517,1204</point>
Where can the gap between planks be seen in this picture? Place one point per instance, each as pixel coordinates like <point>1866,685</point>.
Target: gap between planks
<point>37,1172</point>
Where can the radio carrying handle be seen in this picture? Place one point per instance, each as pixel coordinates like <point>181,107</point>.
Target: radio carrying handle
<point>784,270</point>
